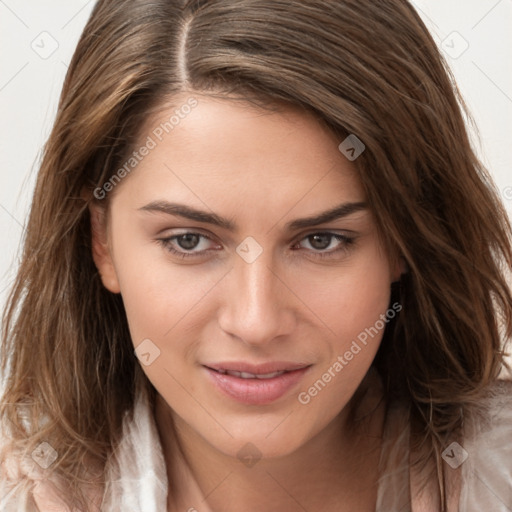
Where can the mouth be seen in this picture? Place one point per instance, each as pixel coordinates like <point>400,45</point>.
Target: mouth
<point>256,384</point>
<point>247,375</point>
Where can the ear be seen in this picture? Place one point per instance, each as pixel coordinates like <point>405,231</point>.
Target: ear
<point>399,267</point>
<point>101,252</point>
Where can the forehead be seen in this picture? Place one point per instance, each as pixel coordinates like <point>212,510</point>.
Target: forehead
<point>214,151</point>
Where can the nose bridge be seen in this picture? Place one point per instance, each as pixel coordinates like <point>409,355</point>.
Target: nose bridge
<point>256,282</point>
<point>255,288</point>
<point>256,309</point>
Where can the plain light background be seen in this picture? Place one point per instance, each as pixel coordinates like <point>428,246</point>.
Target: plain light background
<point>37,40</point>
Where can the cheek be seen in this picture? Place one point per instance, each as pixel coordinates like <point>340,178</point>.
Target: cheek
<point>160,297</point>
<point>361,305</point>
<point>359,329</point>
<point>351,298</point>
<point>353,303</point>
<point>166,307</point>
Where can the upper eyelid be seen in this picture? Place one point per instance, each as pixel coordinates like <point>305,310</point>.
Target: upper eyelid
<point>197,231</point>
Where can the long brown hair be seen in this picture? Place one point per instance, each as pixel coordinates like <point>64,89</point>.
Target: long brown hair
<point>362,67</point>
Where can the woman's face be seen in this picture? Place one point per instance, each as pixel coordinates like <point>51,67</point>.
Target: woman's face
<point>241,241</point>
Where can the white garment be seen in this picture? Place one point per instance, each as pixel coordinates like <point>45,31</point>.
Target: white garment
<point>138,476</point>
<point>486,473</point>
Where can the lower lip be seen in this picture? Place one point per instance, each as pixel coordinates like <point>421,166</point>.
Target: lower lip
<point>256,391</point>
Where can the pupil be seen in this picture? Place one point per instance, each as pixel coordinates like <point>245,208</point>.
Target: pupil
<point>320,241</point>
<point>188,241</point>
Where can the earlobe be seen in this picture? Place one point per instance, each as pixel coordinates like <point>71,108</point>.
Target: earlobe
<point>101,252</point>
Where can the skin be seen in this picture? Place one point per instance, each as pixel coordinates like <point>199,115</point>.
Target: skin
<point>260,170</point>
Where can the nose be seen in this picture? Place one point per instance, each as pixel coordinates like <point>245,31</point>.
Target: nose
<point>258,307</point>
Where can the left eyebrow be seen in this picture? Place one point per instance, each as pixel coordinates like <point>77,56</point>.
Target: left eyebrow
<point>190,213</point>
<point>338,212</point>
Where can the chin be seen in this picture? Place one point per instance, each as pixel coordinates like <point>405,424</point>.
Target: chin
<point>264,443</point>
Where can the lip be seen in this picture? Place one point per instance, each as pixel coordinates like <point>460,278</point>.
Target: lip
<point>254,391</point>
<point>257,369</point>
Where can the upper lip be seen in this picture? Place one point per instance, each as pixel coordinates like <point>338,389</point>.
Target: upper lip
<point>257,369</point>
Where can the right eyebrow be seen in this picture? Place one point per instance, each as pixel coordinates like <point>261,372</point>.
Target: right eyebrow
<point>187,212</point>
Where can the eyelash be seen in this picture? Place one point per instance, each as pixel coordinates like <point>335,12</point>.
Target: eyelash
<point>344,246</point>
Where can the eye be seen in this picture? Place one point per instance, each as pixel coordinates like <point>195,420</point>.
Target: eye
<point>194,245</point>
<point>326,244</point>
<point>187,245</point>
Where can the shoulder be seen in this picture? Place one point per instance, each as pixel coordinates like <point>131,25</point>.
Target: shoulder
<point>492,415</point>
<point>27,495</point>
<point>25,487</point>
<point>480,467</point>
<point>22,491</point>
<point>485,456</point>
